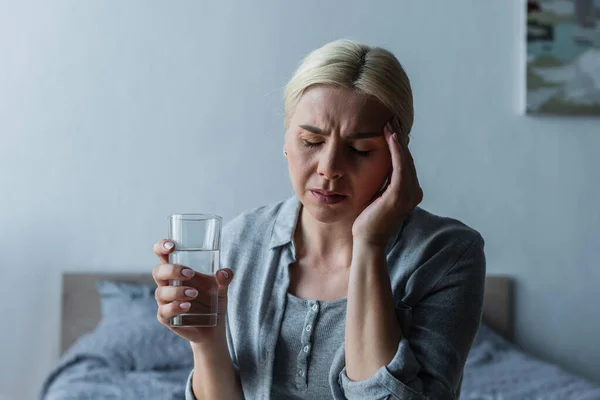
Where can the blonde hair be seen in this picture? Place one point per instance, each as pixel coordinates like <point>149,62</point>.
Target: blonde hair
<point>369,70</point>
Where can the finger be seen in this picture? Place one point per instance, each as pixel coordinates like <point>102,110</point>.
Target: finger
<point>398,129</point>
<point>396,154</point>
<point>410,174</point>
<point>409,164</point>
<point>409,161</point>
<point>402,140</point>
<point>163,248</point>
<point>167,311</point>
<point>224,278</point>
<point>162,273</point>
<point>167,294</point>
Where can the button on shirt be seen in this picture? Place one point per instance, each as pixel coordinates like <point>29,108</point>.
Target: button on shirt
<point>303,355</point>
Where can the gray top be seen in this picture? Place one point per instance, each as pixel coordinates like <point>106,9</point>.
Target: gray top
<point>437,272</point>
<point>311,333</point>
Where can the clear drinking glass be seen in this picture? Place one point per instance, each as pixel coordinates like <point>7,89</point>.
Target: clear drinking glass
<point>197,239</point>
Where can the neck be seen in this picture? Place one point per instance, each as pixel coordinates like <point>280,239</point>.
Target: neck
<point>330,244</point>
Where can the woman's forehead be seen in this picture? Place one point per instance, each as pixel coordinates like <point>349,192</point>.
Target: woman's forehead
<point>336,105</point>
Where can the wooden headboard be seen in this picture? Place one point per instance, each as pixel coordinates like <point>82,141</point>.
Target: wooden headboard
<point>81,303</point>
<point>498,304</point>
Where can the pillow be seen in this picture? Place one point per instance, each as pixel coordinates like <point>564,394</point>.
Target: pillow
<point>128,336</point>
<point>485,334</point>
<point>123,299</point>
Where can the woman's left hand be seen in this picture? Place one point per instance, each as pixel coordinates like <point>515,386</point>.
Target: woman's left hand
<point>385,213</point>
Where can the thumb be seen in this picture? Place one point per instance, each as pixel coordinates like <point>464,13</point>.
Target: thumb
<point>224,277</point>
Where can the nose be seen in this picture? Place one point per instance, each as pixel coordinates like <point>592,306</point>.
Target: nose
<point>330,163</point>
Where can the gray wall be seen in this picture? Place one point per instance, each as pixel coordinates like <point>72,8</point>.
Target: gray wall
<point>115,114</point>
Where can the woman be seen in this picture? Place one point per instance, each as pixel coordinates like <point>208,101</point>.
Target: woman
<point>347,289</point>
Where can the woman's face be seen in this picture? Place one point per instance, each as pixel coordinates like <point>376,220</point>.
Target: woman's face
<point>335,143</point>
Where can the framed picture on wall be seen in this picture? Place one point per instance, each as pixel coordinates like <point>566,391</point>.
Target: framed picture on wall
<point>563,57</point>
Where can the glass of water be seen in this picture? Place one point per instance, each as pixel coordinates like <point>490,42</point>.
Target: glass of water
<point>197,239</point>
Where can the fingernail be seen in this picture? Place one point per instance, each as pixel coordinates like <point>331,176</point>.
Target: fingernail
<point>395,137</point>
<point>187,272</point>
<point>191,293</point>
<point>185,305</point>
<point>225,274</point>
<point>169,245</point>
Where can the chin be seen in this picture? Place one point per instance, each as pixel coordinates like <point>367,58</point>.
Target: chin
<point>326,213</point>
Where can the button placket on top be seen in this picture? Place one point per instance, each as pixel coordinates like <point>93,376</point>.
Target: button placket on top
<point>306,339</point>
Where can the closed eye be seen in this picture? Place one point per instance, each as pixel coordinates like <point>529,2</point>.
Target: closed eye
<point>316,144</point>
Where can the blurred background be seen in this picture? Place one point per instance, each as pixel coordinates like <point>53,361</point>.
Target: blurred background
<point>114,115</point>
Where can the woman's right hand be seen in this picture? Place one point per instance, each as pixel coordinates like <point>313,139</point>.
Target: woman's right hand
<point>175,300</point>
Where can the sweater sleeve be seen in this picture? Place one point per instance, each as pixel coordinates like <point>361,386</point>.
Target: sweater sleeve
<point>437,336</point>
<point>189,393</point>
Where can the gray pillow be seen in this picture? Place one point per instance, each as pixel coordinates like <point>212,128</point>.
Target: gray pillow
<point>485,334</point>
<point>126,300</point>
<point>129,334</point>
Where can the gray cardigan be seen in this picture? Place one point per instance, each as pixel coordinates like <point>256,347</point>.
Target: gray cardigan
<point>437,271</point>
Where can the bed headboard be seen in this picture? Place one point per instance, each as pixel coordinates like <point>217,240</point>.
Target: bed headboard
<point>81,303</point>
<point>498,304</point>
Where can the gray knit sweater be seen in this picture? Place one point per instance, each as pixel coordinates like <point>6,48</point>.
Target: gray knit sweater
<point>284,347</point>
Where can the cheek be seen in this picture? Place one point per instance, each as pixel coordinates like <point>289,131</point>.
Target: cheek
<point>299,163</point>
<point>373,175</point>
<point>302,156</point>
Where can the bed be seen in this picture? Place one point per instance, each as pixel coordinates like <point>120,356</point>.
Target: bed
<point>109,348</point>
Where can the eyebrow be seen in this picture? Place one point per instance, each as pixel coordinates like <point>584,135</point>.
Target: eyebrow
<point>354,135</point>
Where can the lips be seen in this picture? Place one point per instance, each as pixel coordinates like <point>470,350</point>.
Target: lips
<point>325,193</point>
<point>328,199</point>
